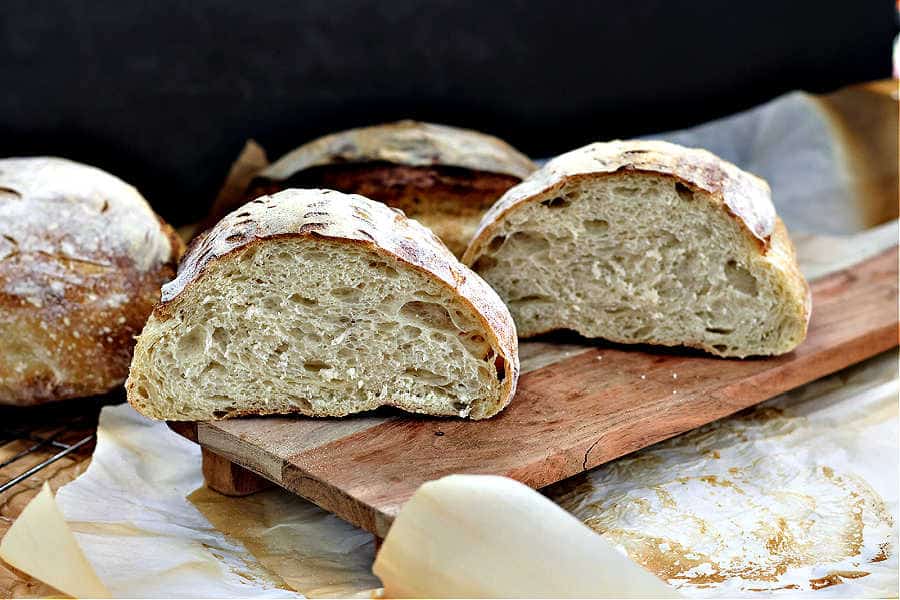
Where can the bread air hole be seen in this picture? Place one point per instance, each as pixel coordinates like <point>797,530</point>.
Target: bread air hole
<point>213,370</point>
<point>347,294</point>
<point>626,190</point>
<point>409,333</point>
<point>314,366</point>
<point>719,330</point>
<point>740,278</point>
<point>557,202</point>
<point>500,366</point>
<point>495,243</point>
<point>249,255</point>
<point>298,299</point>
<point>684,192</point>
<point>433,316</point>
<point>193,342</point>
<point>484,263</point>
<point>384,269</point>
<point>643,332</point>
<point>596,226</point>
<point>535,298</point>
<point>302,403</point>
<point>426,376</point>
<point>527,242</point>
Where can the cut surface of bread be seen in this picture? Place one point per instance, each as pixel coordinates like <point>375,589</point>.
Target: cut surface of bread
<point>444,177</point>
<point>82,259</point>
<point>324,304</point>
<point>646,242</point>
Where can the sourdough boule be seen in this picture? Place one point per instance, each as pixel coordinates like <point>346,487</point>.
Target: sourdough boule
<point>82,259</point>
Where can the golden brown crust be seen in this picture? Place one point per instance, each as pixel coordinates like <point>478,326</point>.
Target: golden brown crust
<point>408,143</point>
<point>352,219</point>
<point>445,177</point>
<point>743,196</point>
<point>82,259</point>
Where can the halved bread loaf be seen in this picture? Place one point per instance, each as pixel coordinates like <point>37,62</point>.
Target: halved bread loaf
<point>646,242</point>
<point>324,304</point>
<point>444,177</point>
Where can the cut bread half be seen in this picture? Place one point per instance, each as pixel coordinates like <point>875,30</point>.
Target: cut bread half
<point>646,242</point>
<point>324,304</point>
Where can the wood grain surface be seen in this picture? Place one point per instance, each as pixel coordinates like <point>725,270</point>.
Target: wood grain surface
<point>577,407</point>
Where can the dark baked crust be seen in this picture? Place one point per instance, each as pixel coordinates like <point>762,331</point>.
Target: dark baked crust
<point>444,177</point>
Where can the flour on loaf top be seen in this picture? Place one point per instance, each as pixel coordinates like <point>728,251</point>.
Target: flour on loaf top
<point>59,207</point>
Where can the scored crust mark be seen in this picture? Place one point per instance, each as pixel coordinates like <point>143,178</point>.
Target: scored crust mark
<point>7,192</point>
<point>646,242</point>
<point>82,258</point>
<point>311,227</point>
<point>470,318</point>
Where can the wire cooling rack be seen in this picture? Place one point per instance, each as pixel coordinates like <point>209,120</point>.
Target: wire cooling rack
<point>33,438</point>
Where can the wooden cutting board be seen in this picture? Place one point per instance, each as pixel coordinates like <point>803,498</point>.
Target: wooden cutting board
<point>577,406</point>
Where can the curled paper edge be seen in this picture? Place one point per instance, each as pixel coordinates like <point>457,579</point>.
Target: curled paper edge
<point>484,536</point>
<point>41,544</point>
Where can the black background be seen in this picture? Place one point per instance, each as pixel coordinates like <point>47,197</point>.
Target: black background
<point>165,93</point>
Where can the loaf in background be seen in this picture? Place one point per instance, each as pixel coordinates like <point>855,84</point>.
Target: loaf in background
<point>82,259</point>
<point>444,177</point>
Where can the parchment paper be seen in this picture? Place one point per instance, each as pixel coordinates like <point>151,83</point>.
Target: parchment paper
<point>130,515</point>
<point>800,493</point>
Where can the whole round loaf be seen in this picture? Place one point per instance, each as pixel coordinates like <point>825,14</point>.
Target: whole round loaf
<point>82,259</point>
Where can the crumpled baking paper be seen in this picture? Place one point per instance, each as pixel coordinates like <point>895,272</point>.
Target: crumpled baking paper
<point>130,515</point>
<point>798,494</point>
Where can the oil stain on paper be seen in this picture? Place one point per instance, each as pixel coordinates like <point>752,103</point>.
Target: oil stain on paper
<point>771,499</point>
